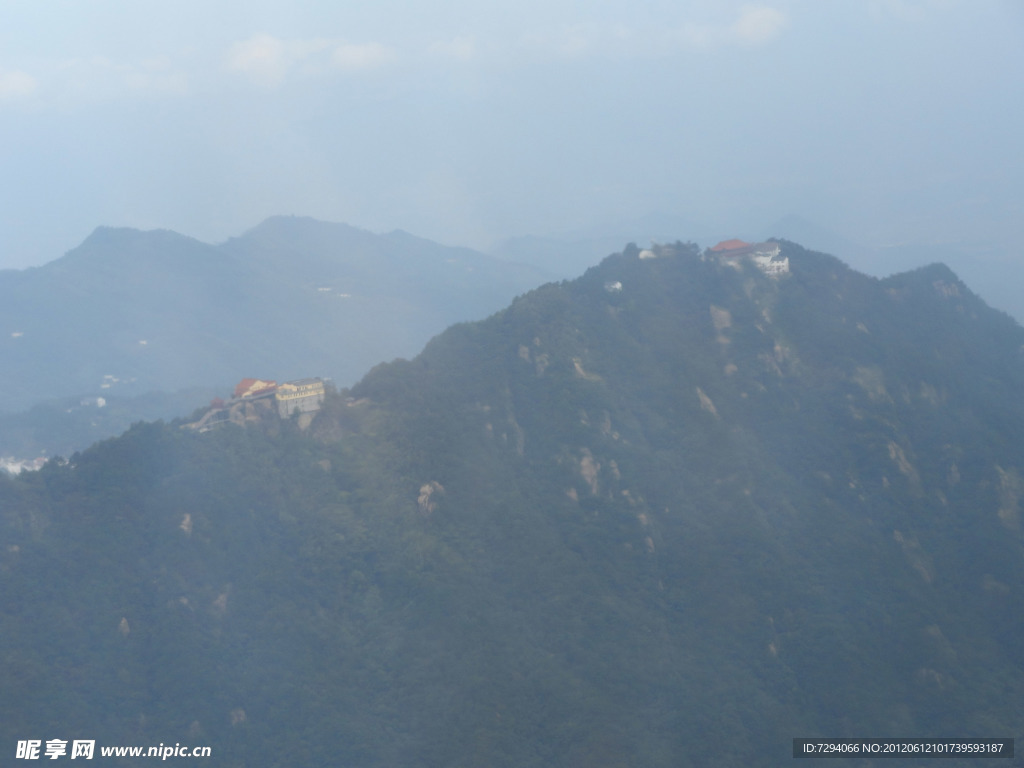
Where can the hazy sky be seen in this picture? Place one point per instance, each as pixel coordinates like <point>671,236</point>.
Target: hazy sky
<point>466,122</point>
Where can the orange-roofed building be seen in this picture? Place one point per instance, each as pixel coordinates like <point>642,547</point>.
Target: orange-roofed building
<point>729,245</point>
<point>253,387</point>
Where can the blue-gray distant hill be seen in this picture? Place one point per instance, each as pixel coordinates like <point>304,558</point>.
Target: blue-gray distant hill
<point>130,312</point>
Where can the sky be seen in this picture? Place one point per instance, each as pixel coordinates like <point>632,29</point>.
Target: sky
<point>885,121</point>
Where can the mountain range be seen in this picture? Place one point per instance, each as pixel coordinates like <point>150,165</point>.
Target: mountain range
<point>675,512</point>
<point>130,325</point>
<point>130,312</point>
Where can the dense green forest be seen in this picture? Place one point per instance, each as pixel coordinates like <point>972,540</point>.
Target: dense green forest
<point>675,512</point>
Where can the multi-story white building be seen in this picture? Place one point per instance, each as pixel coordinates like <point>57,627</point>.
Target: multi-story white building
<point>304,396</point>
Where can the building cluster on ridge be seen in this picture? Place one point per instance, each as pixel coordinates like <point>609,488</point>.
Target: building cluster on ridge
<point>764,255</point>
<point>254,398</point>
<point>734,253</point>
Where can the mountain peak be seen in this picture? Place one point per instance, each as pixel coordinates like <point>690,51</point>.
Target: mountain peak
<point>295,228</point>
<point>112,245</point>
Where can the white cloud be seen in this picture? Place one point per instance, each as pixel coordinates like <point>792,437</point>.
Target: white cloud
<point>15,83</point>
<point>268,60</point>
<point>758,24</point>
<point>262,58</point>
<point>350,57</point>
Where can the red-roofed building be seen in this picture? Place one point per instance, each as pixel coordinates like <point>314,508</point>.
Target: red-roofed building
<point>766,256</point>
<point>253,387</point>
<point>729,245</point>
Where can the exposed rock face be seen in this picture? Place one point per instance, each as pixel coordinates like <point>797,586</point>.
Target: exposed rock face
<point>427,500</point>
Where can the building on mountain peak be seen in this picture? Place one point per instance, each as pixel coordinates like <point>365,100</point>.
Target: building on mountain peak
<point>765,256</point>
<point>255,399</point>
<point>302,395</point>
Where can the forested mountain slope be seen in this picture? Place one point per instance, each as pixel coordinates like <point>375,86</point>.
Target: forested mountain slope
<point>673,513</point>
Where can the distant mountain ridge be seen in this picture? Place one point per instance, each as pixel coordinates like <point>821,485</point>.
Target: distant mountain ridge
<point>133,312</point>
